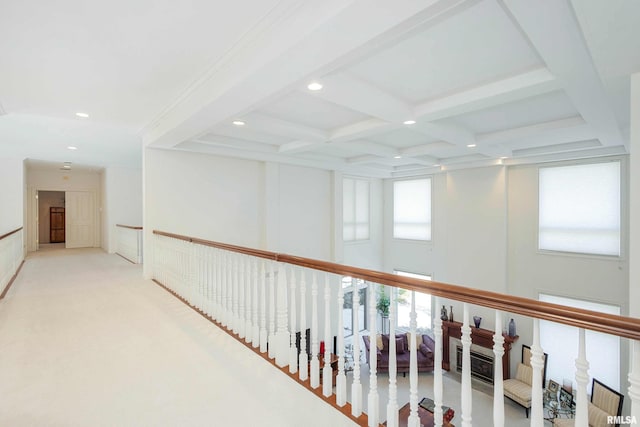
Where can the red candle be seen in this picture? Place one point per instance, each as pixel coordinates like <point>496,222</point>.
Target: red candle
<point>321,347</point>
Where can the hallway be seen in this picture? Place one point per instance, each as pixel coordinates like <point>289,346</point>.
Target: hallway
<point>85,341</point>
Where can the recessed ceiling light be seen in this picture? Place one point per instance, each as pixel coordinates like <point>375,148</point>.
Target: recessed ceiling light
<point>503,157</point>
<point>314,86</point>
<point>437,165</point>
<point>66,167</point>
<point>239,123</point>
<point>409,122</point>
<point>397,157</point>
<point>471,145</point>
<point>83,115</point>
<point>71,147</point>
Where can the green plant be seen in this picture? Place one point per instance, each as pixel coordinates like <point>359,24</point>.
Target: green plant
<point>383,303</point>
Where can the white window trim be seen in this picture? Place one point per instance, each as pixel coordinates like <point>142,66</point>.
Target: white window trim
<point>393,220</point>
<point>624,201</point>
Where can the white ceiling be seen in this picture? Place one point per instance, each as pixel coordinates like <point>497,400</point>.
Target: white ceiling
<point>523,81</point>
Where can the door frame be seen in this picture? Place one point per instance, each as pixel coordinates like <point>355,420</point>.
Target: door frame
<point>32,241</point>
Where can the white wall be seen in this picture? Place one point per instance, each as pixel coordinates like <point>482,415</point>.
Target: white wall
<point>122,202</point>
<point>211,197</point>
<point>469,239</point>
<point>304,212</point>
<point>12,194</point>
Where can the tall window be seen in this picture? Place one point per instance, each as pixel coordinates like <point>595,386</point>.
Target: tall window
<point>355,209</point>
<point>579,208</point>
<point>350,284</point>
<point>412,209</point>
<point>423,306</point>
<point>561,343</point>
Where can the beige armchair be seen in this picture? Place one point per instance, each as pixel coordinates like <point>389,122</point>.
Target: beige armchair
<point>518,389</point>
<point>605,402</point>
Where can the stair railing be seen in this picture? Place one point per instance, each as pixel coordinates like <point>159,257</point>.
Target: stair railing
<point>258,296</point>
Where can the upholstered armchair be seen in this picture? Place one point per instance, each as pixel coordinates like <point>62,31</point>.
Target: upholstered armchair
<point>518,389</point>
<point>605,402</point>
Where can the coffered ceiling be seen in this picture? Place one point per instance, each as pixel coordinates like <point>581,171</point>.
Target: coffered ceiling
<point>485,81</point>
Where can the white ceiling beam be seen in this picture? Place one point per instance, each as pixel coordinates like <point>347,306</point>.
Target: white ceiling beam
<point>418,150</point>
<point>549,136</point>
<point>348,91</point>
<point>553,30</point>
<point>335,164</point>
<point>514,134</point>
<point>361,129</point>
<point>448,133</point>
<point>521,86</point>
<point>241,144</point>
<point>312,39</point>
<point>299,146</point>
<point>368,158</point>
<point>371,148</point>
<point>274,126</point>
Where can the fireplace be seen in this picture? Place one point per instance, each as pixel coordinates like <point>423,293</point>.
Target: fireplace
<point>481,365</point>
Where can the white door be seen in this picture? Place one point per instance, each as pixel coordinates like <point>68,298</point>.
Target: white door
<point>80,219</point>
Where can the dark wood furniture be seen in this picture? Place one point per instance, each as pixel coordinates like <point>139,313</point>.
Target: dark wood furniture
<point>426,417</point>
<point>56,225</point>
<point>479,336</point>
<point>333,362</point>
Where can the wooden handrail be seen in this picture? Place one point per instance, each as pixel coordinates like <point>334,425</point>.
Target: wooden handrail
<point>129,226</point>
<point>627,327</point>
<point>10,233</point>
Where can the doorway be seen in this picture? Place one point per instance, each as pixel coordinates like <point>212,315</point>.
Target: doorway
<point>51,217</point>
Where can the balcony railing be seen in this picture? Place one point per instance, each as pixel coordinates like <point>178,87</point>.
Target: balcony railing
<point>266,299</point>
<point>11,259</point>
<point>129,242</point>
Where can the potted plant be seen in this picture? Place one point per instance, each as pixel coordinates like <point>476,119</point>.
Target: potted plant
<point>383,308</point>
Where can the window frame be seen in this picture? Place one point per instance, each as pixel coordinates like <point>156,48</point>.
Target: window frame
<point>428,178</point>
<point>623,214</point>
<point>355,222</point>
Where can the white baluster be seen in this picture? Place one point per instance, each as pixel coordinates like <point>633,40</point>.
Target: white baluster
<point>263,308</point>
<point>537,364</point>
<point>235,292</point>
<point>248,303</point>
<point>242,284</point>
<point>373,406</point>
<point>392,405</point>
<point>315,363</point>
<point>327,375</point>
<point>466,368</point>
<point>582,378</point>
<point>293,351</point>
<point>227,261</point>
<point>498,389</point>
<point>437,368</point>
<point>303,360</point>
<point>356,386</point>
<point>634,381</point>
<point>413,420</point>
<point>255,283</point>
<point>272,311</point>
<point>282,334</point>
<point>341,379</point>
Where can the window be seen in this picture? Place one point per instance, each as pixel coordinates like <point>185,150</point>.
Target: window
<point>423,306</point>
<point>355,209</point>
<point>579,208</point>
<point>412,209</point>
<point>561,343</point>
<point>348,285</point>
